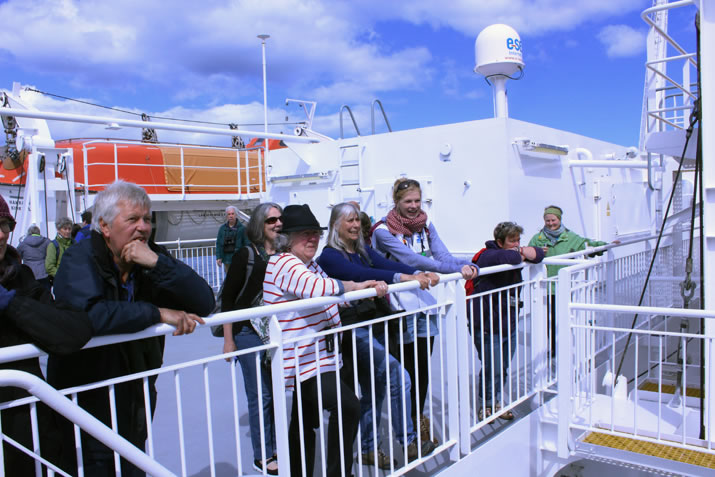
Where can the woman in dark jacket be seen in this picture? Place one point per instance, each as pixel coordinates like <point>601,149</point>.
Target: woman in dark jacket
<point>347,258</point>
<point>27,315</point>
<point>262,233</point>
<point>495,315</point>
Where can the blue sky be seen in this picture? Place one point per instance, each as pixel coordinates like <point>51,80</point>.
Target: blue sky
<point>584,61</point>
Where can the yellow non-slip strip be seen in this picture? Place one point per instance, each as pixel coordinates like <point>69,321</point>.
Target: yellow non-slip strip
<point>668,389</point>
<point>664,451</point>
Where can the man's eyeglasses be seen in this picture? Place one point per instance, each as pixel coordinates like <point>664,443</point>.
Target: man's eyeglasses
<point>408,183</point>
<point>272,220</point>
<point>6,226</point>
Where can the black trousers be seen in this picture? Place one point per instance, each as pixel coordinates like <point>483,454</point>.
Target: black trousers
<point>414,368</point>
<point>350,407</point>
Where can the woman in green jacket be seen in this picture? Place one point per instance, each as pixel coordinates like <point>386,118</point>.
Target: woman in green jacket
<point>555,239</point>
<point>56,248</point>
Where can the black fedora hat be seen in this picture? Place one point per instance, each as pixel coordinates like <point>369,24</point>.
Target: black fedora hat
<point>297,218</point>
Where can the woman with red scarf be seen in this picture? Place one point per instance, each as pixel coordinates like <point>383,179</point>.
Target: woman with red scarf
<point>408,236</point>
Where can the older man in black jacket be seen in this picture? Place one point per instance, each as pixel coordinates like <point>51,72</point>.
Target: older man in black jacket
<point>126,283</point>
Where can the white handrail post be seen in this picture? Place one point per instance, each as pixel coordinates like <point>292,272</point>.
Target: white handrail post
<point>536,297</point>
<point>563,350</point>
<point>86,175</point>
<point>183,175</point>
<point>457,340</point>
<point>280,414</point>
<point>116,164</point>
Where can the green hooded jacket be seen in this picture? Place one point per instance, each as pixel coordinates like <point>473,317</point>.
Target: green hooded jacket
<point>568,242</point>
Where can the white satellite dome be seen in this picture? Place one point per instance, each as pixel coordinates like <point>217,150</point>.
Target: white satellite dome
<point>497,51</point>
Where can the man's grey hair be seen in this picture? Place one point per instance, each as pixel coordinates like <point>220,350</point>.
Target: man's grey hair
<point>339,213</point>
<point>235,210</point>
<point>106,205</point>
<point>33,230</point>
<point>63,222</point>
<point>254,229</point>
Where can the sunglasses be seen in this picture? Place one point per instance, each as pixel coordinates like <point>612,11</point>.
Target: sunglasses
<point>408,183</point>
<point>310,234</point>
<point>272,220</point>
<point>6,226</point>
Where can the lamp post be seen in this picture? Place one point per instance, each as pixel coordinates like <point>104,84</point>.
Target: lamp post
<point>263,38</point>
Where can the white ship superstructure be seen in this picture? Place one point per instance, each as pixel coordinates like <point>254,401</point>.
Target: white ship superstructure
<point>630,389</point>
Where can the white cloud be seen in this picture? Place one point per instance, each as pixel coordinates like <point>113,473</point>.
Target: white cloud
<point>209,57</point>
<point>622,41</point>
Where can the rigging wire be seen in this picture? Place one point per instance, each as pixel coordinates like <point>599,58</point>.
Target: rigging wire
<point>688,133</point>
<point>133,113</point>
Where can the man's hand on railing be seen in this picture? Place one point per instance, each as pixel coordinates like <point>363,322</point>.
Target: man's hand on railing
<point>185,323</point>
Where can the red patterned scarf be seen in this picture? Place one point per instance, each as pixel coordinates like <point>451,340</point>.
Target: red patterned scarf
<point>398,224</point>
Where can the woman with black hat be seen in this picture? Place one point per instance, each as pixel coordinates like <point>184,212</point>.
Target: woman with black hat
<point>28,315</point>
<point>294,275</point>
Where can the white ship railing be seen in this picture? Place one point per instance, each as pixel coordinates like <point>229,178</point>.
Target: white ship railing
<point>448,406</point>
<point>648,401</point>
<point>201,258</point>
<point>201,429</point>
<point>244,167</point>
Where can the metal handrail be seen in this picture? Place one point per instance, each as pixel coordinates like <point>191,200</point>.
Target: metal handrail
<point>372,115</point>
<point>342,108</point>
<point>88,423</point>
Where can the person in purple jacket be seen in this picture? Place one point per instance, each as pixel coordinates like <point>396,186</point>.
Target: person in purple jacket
<point>495,315</point>
<point>346,257</point>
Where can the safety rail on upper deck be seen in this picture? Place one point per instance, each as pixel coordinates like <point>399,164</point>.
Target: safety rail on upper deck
<point>634,371</point>
<point>173,171</point>
<point>459,388</point>
<point>200,255</point>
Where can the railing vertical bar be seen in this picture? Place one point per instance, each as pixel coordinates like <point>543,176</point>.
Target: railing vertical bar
<point>236,413</point>
<point>35,437</point>
<point>148,417</point>
<point>113,416</point>
<point>180,419</point>
<point>209,420</point>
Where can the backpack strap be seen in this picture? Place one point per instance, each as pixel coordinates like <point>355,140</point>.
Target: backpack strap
<point>249,272</point>
<point>57,251</point>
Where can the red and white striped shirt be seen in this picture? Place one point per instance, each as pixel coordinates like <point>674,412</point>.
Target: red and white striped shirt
<point>289,279</point>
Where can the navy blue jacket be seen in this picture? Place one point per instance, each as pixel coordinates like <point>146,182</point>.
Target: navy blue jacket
<point>88,280</point>
<point>502,303</point>
<point>353,266</point>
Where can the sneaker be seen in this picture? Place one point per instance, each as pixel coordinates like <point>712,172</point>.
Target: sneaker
<point>425,430</point>
<point>427,448</point>
<point>271,466</point>
<point>383,462</point>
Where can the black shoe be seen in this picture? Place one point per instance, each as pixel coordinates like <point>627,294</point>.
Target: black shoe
<point>427,448</point>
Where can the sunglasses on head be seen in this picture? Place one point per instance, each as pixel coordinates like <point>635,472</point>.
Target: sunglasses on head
<point>272,220</point>
<point>408,183</point>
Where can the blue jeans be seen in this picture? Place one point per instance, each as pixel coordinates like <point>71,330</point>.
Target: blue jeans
<point>362,343</point>
<point>495,363</point>
<point>422,323</point>
<point>247,338</point>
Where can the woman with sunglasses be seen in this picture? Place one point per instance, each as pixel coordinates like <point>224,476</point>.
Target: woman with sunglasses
<point>294,275</point>
<point>263,233</point>
<point>408,236</point>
